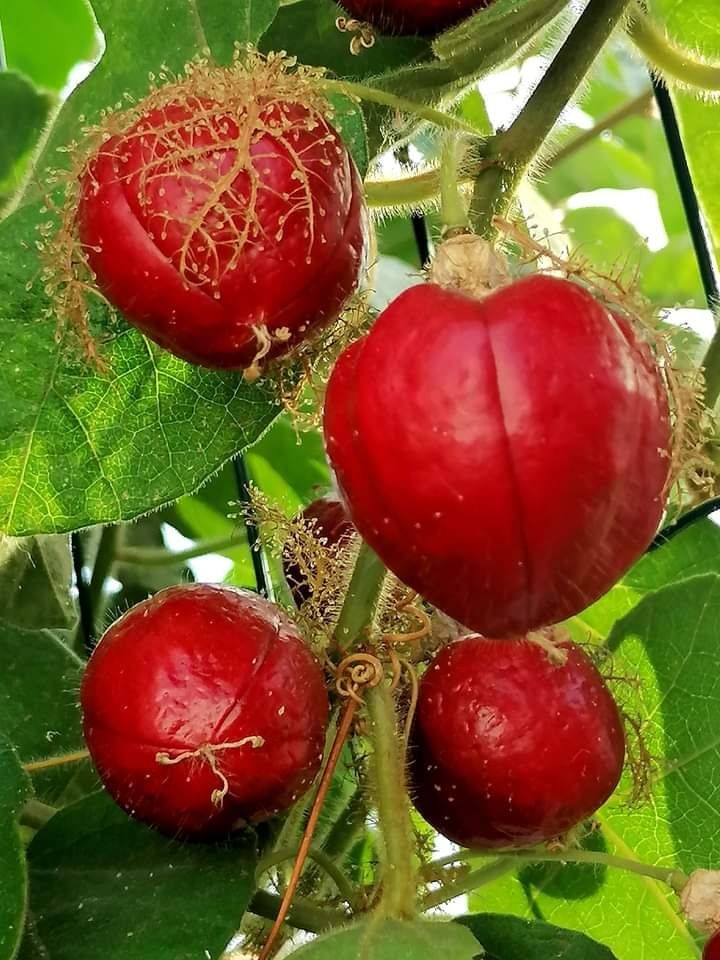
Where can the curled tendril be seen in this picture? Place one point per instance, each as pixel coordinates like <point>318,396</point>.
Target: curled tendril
<point>357,671</point>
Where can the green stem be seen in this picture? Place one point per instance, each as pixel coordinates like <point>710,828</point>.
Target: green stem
<point>668,59</point>
<point>322,860</point>
<point>108,548</point>
<point>452,207</point>
<point>359,91</point>
<point>159,557</point>
<point>303,914</point>
<point>673,877</point>
<point>477,878</point>
<point>361,598</point>
<point>711,368</point>
<point>635,106</point>
<point>388,767</point>
<point>515,148</point>
<point>405,192</point>
<point>36,814</point>
<point>3,55</point>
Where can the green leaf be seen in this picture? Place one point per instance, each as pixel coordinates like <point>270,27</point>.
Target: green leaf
<point>694,551</point>
<point>38,701</point>
<point>14,788</point>
<point>700,128</point>
<point>349,121</point>
<point>510,938</point>
<point>393,940</point>
<point>695,26</point>
<point>23,111</point>
<point>35,577</point>
<point>45,39</point>
<point>82,446</point>
<point>670,640</point>
<point>103,885</point>
<point>226,24</point>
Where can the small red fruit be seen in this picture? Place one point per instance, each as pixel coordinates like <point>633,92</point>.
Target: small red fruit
<point>511,748</point>
<point>328,521</point>
<point>712,948</point>
<point>507,457</point>
<point>203,710</point>
<point>226,230</point>
<point>412,16</point>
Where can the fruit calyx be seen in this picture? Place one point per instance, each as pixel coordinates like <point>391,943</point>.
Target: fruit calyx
<point>469,264</point>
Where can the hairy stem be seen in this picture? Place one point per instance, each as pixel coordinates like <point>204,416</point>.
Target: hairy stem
<point>105,559</point>
<point>477,878</point>
<point>671,876</point>
<point>453,211</point>
<point>668,59</point>
<point>361,598</point>
<point>38,766</point>
<point>398,872</point>
<point>345,888</point>
<point>159,557</point>
<point>359,91</point>
<point>515,148</point>
<point>303,914</point>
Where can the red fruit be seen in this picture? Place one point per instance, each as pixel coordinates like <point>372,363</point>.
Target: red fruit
<point>511,748</point>
<point>712,948</point>
<point>175,689</point>
<point>328,520</point>
<point>506,458</point>
<point>226,232</point>
<point>412,16</point>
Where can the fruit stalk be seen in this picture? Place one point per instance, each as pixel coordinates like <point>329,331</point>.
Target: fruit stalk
<point>673,877</point>
<point>452,206</point>
<point>388,769</point>
<point>358,91</point>
<point>361,598</point>
<point>302,913</point>
<point>516,148</point>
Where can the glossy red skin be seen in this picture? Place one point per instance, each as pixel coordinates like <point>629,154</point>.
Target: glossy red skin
<point>510,749</point>
<point>712,948</point>
<point>132,230</point>
<point>506,458</point>
<point>412,16</point>
<point>197,665</point>
<point>331,524</point>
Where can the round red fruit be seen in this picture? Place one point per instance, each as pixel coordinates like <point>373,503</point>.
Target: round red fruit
<point>412,16</point>
<point>329,523</point>
<point>511,746</point>
<point>203,710</point>
<point>507,458</point>
<point>712,948</point>
<point>226,231</point>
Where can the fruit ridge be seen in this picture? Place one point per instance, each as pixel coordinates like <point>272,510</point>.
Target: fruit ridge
<point>508,457</point>
<point>177,683</point>
<point>512,747</point>
<point>227,221</point>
